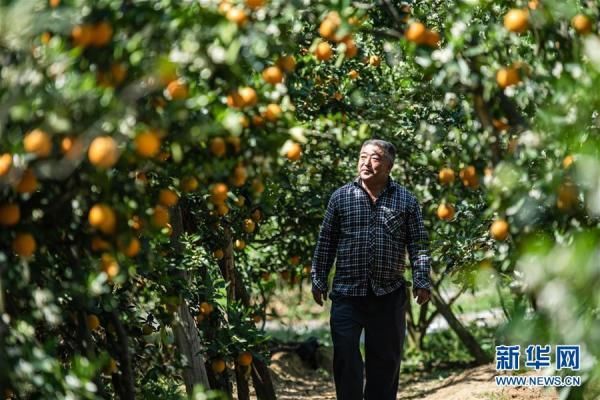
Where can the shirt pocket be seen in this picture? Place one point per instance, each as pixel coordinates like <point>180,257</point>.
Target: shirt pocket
<point>394,222</point>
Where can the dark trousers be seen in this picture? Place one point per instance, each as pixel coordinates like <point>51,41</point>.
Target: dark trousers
<point>383,319</point>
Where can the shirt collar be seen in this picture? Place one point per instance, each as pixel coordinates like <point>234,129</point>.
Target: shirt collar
<point>358,183</point>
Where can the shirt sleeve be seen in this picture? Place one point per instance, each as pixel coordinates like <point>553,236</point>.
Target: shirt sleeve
<point>326,248</point>
<point>418,248</point>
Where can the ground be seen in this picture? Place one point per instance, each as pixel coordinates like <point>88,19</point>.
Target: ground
<point>294,381</point>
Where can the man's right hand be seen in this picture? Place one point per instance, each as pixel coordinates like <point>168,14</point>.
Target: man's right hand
<point>319,296</point>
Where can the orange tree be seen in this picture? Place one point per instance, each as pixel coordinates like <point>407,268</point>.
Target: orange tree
<point>132,134</point>
<point>523,75</point>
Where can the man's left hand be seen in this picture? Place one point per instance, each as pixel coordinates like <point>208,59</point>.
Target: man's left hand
<point>422,296</point>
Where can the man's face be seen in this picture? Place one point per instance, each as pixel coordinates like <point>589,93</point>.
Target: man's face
<point>372,164</point>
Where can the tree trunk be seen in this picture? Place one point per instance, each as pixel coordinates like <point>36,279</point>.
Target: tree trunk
<point>124,381</point>
<point>188,342</point>
<point>186,334</point>
<point>241,379</point>
<point>463,334</point>
<point>261,377</point>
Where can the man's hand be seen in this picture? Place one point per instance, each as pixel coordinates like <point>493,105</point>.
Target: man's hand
<point>422,296</point>
<point>319,296</point>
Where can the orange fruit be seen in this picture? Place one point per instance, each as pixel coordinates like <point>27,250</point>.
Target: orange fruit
<point>374,61</point>
<point>351,49</point>
<point>272,75</point>
<point>287,63</point>
<point>24,245</point>
<point>101,34</point>
<point>257,120</point>
<point>516,20</point>
<point>66,144</point>
<point>73,148</point>
<point>499,229</point>
<point>432,39</point>
<point>445,212</point>
<point>248,96</point>
<point>54,3</point>
<point>5,163</point>
<point>218,254</point>
<point>219,193</point>
<point>353,74</point>
<point>218,366</point>
<point>38,142</point>
<point>245,359</point>
<point>135,222</point>
<point>167,197</point>
<point>533,4</point>
<point>103,152</point>
<point>468,176</point>
<point>234,100</point>
<point>102,217</point>
<point>249,225</point>
<point>45,38</point>
<point>323,51</point>
<point>334,17</point>
<point>239,175</point>
<point>109,265</point>
<point>99,244</point>
<point>237,16</point>
<point>255,3</point>
<point>508,76</point>
<point>82,35</point>
<point>224,6</point>
<point>327,29</point>
<point>177,90</point>
<point>118,72</point>
<point>294,152</point>
<point>416,33</point>
<point>111,368</point>
<point>206,308</point>
<point>446,176</point>
<point>567,196</point>
<point>222,209</point>
<point>258,186</point>
<point>568,161</point>
<point>130,248</point>
<point>93,322</point>
<point>10,214</point>
<point>218,147</point>
<point>239,244</point>
<point>160,216</point>
<point>147,144</point>
<point>28,182</point>
<point>257,215</point>
<point>500,124</point>
<point>582,24</point>
<point>272,112</point>
<point>189,184</point>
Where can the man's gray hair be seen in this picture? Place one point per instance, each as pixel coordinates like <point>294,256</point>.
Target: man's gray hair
<point>389,150</point>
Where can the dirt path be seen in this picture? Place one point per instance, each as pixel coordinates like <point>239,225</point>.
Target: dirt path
<point>294,381</point>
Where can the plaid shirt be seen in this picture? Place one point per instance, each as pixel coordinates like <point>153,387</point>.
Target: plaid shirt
<point>369,240</point>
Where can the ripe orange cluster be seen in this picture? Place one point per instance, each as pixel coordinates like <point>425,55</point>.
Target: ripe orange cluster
<point>418,33</point>
<point>329,30</point>
<point>96,35</point>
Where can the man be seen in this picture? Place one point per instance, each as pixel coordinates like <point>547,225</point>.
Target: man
<point>367,226</point>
